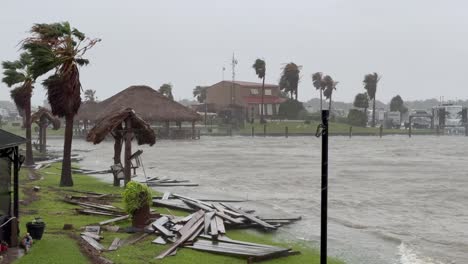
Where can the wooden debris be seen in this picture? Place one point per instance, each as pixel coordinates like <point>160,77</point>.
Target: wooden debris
<point>113,220</point>
<point>93,230</point>
<point>96,245</point>
<point>92,235</point>
<point>111,228</point>
<point>250,217</point>
<point>115,244</point>
<point>159,240</point>
<point>166,195</point>
<point>193,226</point>
<point>159,225</point>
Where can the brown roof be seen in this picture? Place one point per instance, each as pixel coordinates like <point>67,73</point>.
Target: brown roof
<point>44,112</point>
<point>142,130</point>
<point>147,103</point>
<point>88,111</point>
<point>250,84</point>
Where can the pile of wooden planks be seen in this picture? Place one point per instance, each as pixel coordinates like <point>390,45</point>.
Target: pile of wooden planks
<point>92,208</point>
<point>157,182</point>
<point>231,215</point>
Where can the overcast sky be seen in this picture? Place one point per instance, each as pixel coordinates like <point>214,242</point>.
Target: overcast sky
<point>419,46</point>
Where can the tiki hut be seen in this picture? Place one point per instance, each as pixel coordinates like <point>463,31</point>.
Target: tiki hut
<point>123,125</point>
<point>43,118</point>
<point>148,103</point>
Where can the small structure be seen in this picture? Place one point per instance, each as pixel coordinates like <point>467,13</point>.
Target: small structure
<point>43,117</point>
<point>123,125</point>
<point>10,159</point>
<point>151,106</point>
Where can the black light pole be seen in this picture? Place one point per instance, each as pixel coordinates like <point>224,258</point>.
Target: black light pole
<point>324,192</point>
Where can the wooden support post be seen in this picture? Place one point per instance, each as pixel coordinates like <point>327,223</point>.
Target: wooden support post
<point>253,131</point>
<point>40,138</point>
<point>381,131</point>
<point>437,130</point>
<point>264,130</point>
<point>350,131</point>
<point>286,132</point>
<point>193,129</point>
<point>128,150</point>
<point>16,167</point>
<point>409,130</point>
<point>168,128</point>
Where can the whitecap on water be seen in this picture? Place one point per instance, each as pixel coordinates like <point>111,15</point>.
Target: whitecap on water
<point>411,256</point>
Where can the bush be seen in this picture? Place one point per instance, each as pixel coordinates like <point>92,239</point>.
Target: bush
<point>357,118</point>
<point>135,196</point>
<point>290,109</point>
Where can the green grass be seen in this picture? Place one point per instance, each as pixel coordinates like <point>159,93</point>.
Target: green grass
<point>58,247</point>
<point>299,127</point>
<point>21,132</point>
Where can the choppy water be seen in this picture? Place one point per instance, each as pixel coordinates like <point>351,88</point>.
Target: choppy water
<point>393,200</point>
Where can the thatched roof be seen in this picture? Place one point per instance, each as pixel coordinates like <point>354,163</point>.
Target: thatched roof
<point>88,111</point>
<point>44,112</point>
<point>142,130</point>
<point>149,104</point>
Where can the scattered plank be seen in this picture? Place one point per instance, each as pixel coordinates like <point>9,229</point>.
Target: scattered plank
<point>96,245</point>
<point>196,225</point>
<point>115,244</point>
<point>166,195</point>
<point>113,220</point>
<point>92,235</point>
<point>159,240</point>
<point>250,217</point>
<point>220,225</point>
<point>159,225</point>
<point>137,239</point>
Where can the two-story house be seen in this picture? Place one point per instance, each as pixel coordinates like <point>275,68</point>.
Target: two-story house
<point>248,95</point>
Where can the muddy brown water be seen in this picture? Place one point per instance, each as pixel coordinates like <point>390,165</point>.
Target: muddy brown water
<point>393,200</point>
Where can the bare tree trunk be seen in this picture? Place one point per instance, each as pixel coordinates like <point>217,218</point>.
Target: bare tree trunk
<point>128,151</point>
<point>66,176</point>
<point>330,103</point>
<point>29,161</point>
<point>40,138</point>
<point>321,107</point>
<point>44,138</point>
<point>263,95</point>
<point>373,113</point>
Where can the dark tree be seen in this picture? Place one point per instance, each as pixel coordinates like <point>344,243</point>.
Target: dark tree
<point>370,85</point>
<point>260,69</point>
<point>289,80</point>
<point>166,90</point>
<point>361,101</point>
<point>60,48</point>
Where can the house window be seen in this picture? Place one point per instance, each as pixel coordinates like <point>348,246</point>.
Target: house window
<point>254,91</point>
<point>267,91</point>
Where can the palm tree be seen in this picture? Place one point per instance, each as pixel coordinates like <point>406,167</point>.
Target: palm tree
<point>90,95</point>
<point>260,69</point>
<point>199,93</point>
<point>361,101</point>
<point>319,84</point>
<point>166,90</point>
<point>370,84</point>
<point>60,48</point>
<point>330,85</point>
<point>289,80</point>
<point>19,72</point>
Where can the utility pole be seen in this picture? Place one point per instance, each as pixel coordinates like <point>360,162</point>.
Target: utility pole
<point>322,130</point>
<point>233,65</point>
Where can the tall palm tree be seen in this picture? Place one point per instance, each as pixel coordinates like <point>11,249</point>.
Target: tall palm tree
<point>330,85</point>
<point>90,95</point>
<point>19,73</point>
<point>199,93</point>
<point>289,80</point>
<point>370,84</point>
<point>260,69</point>
<point>319,84</point>
<point>60,48</point>
<point>166,90</point>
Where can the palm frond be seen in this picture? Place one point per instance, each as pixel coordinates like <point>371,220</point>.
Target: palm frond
<point>260,68</point>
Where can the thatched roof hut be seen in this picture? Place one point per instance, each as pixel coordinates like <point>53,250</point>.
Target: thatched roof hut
<point>46,114</point>
<point>150,105</point>
<point>109,124</point>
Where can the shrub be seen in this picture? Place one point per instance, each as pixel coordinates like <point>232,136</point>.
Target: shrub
<point>290,109</point>
<point>357,118</point>
<point>135,196</point>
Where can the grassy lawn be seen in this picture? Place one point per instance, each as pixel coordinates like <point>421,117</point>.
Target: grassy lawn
<point>19,131</point>
<point>299,127</point>
<point>57,246</point>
